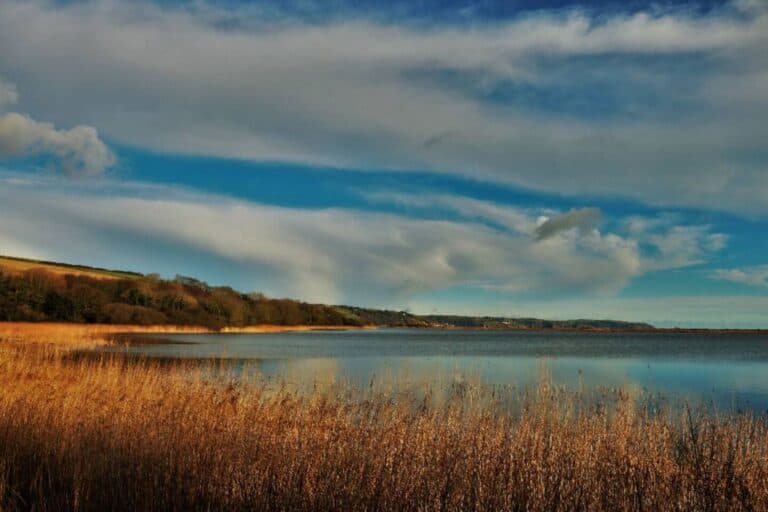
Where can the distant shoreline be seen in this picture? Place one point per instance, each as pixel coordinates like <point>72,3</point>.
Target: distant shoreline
<point>655,330</point>
<point>114,301</point>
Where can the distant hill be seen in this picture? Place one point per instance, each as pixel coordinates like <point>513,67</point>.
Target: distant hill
<point>489,322</point>
<point>405,319</point>
<point>33,290</point>
<point>13,265</point>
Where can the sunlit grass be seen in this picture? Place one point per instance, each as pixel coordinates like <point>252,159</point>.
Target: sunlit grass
<point>73,335</point>
<point>107,434</point>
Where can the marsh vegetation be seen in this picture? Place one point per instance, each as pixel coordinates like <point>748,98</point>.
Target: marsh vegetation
<point>103,433</point>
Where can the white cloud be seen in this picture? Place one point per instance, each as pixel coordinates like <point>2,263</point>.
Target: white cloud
<point>674,243</point>
<point>78,150</point>
<point>8,94</point>
<point>754,276</point>
<point>361,94</point>
<point>332,255</point>
<point>518,220</point>
<point>681,245</point>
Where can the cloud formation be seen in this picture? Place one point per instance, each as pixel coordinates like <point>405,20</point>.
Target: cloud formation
<point>662,241</point>
<point>511,102</point>
<point>582,219</point>
<point>79,151</point>
<point>8,94</point>
<point>517,220</point>
<point>753,276</point>
<point>674,244</point>
<point>330,255</point>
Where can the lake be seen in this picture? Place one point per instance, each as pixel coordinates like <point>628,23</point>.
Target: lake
<point>726,370</point>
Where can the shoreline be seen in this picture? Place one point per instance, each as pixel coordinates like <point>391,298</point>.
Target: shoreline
<point>56,332</point>
<point>79,335</point>
<point>270,328</point>
<point>657,330</point>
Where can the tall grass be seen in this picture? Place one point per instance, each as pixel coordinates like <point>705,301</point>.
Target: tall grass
<point>106,434</point>
<point>73,336</point>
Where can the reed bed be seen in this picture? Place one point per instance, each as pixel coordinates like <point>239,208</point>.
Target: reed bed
<point>64,336</point>
<point>74,336</point>
<point>107,434</point>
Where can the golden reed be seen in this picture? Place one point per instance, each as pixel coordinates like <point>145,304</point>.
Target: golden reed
<point>103,433</point>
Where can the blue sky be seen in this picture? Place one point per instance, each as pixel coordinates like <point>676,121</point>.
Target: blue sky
<point>554,159</point>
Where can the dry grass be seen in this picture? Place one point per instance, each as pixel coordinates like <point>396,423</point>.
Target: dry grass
<point>67,335</point>
<point>70,335</point>
<point>20,265</point>
<point>105,434</point>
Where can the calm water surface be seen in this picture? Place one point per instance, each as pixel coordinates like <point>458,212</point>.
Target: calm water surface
<point>726,370</point>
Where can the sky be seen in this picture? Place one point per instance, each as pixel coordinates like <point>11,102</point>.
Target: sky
<point>558,159</point>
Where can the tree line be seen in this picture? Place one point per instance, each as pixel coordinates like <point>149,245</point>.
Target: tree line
<point>39,295</point>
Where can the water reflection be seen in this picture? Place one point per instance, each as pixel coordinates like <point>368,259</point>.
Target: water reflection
<point>728,370</point>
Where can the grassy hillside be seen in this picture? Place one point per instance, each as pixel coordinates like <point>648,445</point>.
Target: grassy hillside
<point>13,265</point>
<point>47,291</point>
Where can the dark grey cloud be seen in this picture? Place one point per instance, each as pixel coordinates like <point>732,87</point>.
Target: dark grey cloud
<point>581,218</point>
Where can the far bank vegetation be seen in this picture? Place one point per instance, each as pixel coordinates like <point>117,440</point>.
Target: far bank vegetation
<point>38,294</point>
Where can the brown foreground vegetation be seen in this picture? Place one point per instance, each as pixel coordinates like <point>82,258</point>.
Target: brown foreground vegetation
<point>72,336</point>
<point>102,433</point>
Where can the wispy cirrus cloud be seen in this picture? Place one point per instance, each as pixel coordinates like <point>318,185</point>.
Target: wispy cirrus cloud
<point>753,276</point>
<point>662,241</point>
<point>332,254</point>
<point>514,101</point>
<point>516,219</point>
<point>8,94</point>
